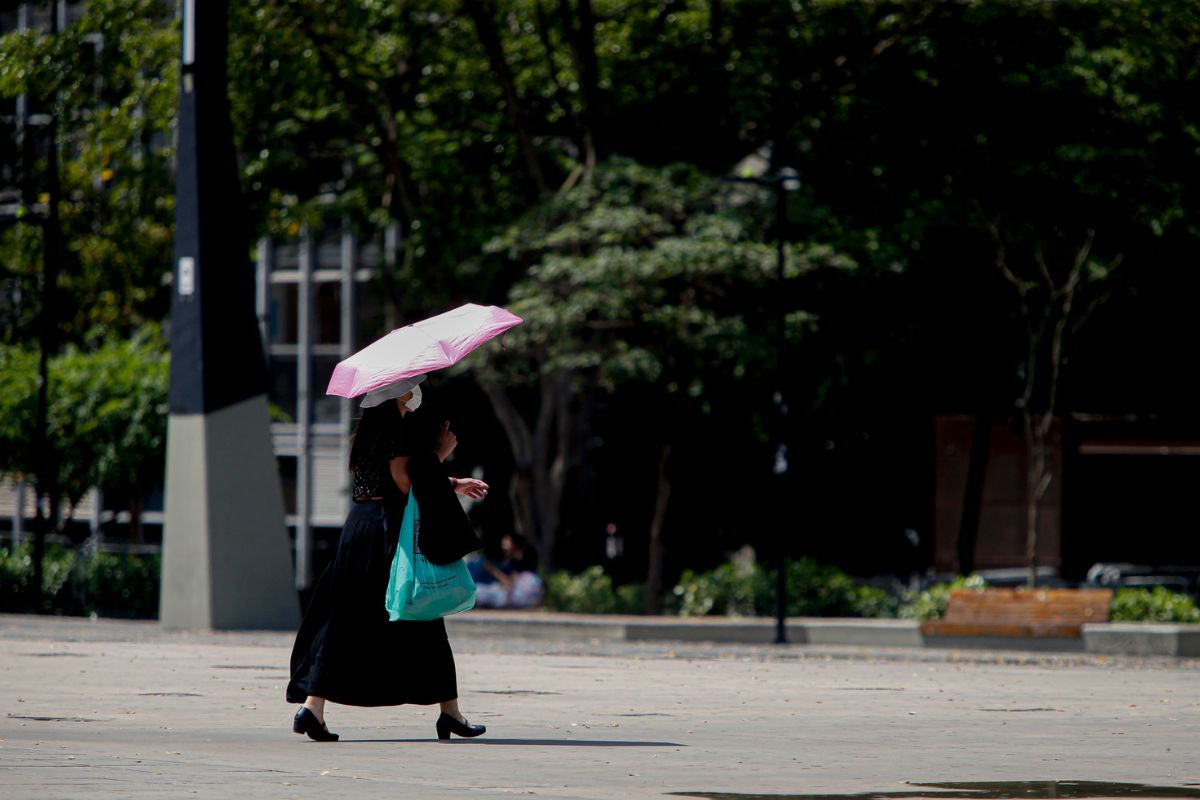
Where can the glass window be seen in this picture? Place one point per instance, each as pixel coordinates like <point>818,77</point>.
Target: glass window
<point>370,254</point>
<point>329,250</point>
<point>39,18</point>
<point>284,387</point>
<point>283,312</point>
<point>76,9</point>
<point>286,256</point>
<point>328,308</point>
<point>325,408</point>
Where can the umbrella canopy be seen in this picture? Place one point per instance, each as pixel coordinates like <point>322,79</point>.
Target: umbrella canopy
<point>422,347</point>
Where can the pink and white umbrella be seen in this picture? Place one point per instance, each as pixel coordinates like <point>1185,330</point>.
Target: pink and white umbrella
<point>422,347</point>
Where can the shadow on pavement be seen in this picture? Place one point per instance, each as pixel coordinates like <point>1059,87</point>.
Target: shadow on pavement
<point>518,742</point>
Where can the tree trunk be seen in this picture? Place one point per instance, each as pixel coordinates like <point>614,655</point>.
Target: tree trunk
<point>542,459</point>
<point>1032,477</point>
<point>654,570</point>
<point>520,443</point>
<point>52,254</point>
<point>1037,480</point>
<point>1046,327</point>
<point>483,14</point>
<point>579,27</point>
<point>551,444</point>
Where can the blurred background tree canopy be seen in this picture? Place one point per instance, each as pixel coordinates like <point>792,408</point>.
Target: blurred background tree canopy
<point>960,162</point>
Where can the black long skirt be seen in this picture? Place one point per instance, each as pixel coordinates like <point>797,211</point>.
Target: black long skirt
<point>347,651</point>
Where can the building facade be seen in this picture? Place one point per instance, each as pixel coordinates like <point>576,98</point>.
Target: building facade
<point>316,306</point>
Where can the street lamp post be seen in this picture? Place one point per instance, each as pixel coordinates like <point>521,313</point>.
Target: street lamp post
<point>783,181</point>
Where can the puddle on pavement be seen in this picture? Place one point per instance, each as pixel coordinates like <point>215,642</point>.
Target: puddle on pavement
<point>1015,790</point>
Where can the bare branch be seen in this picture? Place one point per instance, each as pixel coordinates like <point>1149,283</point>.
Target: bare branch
<point>1043,485</point>
<point>1039,258</point>
<point>1097,301</point>
<point>1081,257</point>
<point>1000,261</point>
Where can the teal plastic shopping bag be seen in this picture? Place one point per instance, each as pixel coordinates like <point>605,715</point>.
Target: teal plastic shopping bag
<point>417,589</point>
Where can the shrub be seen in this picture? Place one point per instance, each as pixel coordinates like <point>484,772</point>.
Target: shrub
<point>742,587</point>
<point>82,582</point>
<point>119,584</point>
<point>1157,604</point>
<point>16,571</point>
<point>16,568</point>
<point>736,588</point>
<point>931,602</point>
<point>592,592</point>
<point>823,590</point>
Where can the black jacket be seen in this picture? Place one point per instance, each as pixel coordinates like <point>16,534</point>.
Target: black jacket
<point>446,533</point>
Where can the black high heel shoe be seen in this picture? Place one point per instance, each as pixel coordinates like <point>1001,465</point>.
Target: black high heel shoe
<point>447,725</point>
<point>307,722</point>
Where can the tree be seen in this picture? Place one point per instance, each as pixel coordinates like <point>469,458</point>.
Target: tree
<point>654,281</point>
<point>108,83</point>
<point>92,115</point>
<point>1044,139</point>
<point>106,420</point>
<point>382,114</point>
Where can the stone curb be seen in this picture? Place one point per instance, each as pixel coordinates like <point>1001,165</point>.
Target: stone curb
<point>1113,638</point>
<point>1142,639</point>
<point>1133,639</point>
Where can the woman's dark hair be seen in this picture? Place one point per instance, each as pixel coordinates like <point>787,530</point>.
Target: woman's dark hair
<point>374,424</point>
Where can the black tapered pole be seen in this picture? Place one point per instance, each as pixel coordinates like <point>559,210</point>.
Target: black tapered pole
<point>226,560</point>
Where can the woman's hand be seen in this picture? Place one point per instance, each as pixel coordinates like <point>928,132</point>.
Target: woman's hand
<point>445,443</point>
<point>471,487</point>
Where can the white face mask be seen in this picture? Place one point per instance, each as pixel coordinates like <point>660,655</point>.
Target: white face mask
<point>414,402</point>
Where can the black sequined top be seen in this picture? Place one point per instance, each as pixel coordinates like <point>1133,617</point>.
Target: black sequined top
<point>372,477</point>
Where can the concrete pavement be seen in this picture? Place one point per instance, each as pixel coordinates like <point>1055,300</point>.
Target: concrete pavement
<point>111,709</point>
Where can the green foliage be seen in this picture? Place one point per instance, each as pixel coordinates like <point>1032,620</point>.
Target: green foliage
<point>1155,604</point>
<point>115,114</point>
<point>930,603</point>
<point>736,588</point>
<point>592,592</point>
<point>118,584</point>
<point>380,112</point>
<point>654,276</point>
<point>742,587</point>
<point>16,572</point>
<point>823,590</point>
<point>106,416</point>
<point>908,122</point>
<point>82,581</point>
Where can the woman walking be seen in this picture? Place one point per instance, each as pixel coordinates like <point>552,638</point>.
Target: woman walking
<point>347,651</point>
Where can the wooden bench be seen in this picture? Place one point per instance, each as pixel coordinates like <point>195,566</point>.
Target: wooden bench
<point>1042,613</point>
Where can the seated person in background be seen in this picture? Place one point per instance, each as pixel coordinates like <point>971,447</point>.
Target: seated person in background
<point>514,582</point>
